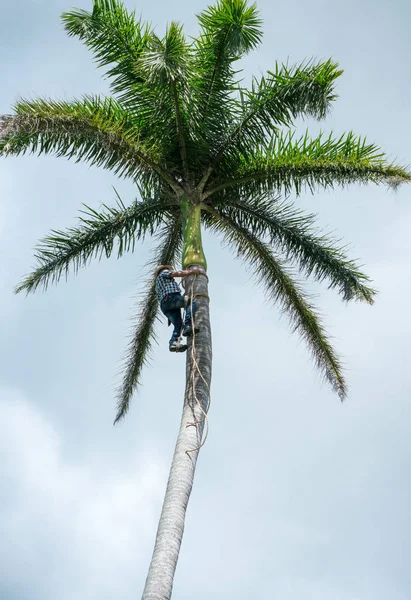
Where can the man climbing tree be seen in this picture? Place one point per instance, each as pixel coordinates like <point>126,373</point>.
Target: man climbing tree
<point>171,302</point>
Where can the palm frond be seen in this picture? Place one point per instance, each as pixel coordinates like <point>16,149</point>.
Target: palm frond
<point>228,30</point>
<point>166,59</point>
<point>294,233</point>
<point>144,335</point>
<point>166,66</point>
<point>143,67</point>
<point>99,234</point>
<point>118,40</point>
<point>282,289</point>
<point>273,101</point>
<point>292,165</point>
<point>97,130</point>
<point>231,28</point>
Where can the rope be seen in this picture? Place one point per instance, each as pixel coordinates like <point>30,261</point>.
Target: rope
<point>203,273</point>
<point>195,364</point>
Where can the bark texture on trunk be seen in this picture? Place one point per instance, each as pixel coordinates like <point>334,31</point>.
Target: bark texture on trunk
<point>159,583</point>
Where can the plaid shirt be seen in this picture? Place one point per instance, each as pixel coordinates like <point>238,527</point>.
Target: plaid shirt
<point>166,285</point>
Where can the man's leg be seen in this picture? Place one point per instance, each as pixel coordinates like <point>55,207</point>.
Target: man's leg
<point>169,308</point>
<point>175,317</point>
<point>188,329</point>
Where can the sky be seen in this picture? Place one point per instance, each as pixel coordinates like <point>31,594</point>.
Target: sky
<point>296,495</point>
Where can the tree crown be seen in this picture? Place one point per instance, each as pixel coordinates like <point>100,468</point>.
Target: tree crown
<point>199,145</point>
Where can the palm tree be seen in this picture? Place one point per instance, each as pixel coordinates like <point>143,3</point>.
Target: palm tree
<point>203,152</point>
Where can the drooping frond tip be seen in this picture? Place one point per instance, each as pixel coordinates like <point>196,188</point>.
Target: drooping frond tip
<point>294,234</point>
<point>284,291</point>
<point>398,176</point>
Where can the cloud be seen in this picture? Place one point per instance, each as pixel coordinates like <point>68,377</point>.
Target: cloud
<point>77,523</point>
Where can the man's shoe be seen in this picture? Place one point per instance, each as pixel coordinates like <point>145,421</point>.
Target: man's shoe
<point>176,347</point>
<point>182,348</point>
<point>188,330</point>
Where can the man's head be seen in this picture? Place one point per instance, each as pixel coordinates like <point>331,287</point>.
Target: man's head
<point>162,268</point>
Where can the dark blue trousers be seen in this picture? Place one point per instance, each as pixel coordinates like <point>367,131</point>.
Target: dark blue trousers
<point>171,306</point>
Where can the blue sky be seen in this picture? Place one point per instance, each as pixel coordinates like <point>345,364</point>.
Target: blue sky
<point>295,494</point>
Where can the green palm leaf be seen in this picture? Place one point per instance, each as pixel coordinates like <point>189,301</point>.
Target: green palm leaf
<point>96,130</point>
<point>228,30</point>
<point>293,232</point>
<point>97,235</point>
<point>282,289</point>
<point>143,65</point>
<point>118,40</point>
<point>166,66</point>
<point>276,100</point>
<point>291,165</point>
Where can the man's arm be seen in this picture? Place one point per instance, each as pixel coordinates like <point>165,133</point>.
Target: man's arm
<point>187,272</point>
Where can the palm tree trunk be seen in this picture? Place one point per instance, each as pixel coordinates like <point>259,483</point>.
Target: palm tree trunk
<point>159,583</point>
